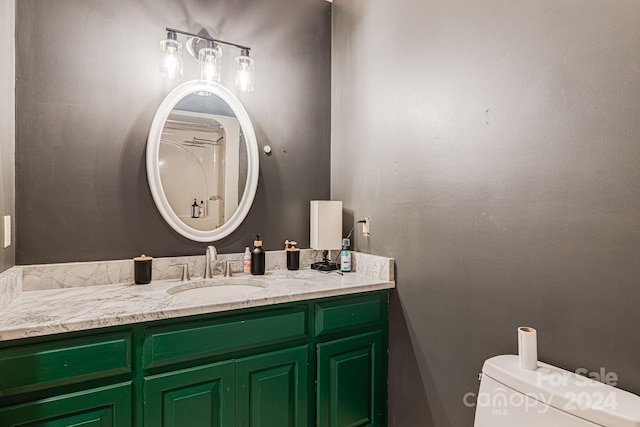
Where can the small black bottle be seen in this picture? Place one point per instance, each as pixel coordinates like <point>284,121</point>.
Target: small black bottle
<point>257,257</point>
<point>194,209</point>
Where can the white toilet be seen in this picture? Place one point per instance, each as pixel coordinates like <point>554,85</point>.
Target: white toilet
<point>549,397</point>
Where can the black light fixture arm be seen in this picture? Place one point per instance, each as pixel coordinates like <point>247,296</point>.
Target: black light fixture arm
<point>186,33</point>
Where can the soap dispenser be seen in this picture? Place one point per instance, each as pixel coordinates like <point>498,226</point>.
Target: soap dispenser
<point>345,256</point>
<point>257,257</point>
<point>195,209</point>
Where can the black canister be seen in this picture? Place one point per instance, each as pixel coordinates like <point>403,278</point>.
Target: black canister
<point>142,269</point>
<point>293,255</point>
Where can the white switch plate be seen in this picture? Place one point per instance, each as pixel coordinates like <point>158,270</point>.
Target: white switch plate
<point>365,227</point>
<point>7,231</point>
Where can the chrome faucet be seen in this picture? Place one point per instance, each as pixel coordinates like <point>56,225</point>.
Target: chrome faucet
<point>228,271</point>
<point>210,256</point>
<point>185,272</point>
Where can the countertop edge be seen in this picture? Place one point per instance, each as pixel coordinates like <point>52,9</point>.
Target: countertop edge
<point>57,327</point>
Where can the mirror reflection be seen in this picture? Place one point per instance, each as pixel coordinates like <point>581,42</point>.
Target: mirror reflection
<point>202,161</point>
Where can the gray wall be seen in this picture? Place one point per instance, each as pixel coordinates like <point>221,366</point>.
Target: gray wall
<point>495,146</point>
<point>88,87</point>
<point>7,127</point>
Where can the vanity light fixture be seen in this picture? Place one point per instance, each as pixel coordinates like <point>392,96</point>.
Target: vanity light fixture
<point>209,57</point>
<point>245,69</point>
<point>171,56</point>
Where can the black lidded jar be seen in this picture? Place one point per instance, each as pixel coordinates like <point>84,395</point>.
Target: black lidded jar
<point>257,257</point>
<point>142,269</point>
<point>293,255</point>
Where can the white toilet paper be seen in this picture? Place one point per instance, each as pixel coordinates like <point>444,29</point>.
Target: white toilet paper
<point>528,348</point>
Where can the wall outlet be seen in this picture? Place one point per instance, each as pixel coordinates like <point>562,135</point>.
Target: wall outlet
<point>7,231</point>
<point>365,227</point>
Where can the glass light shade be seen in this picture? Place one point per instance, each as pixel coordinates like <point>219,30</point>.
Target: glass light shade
<point>245,72</point>
<point>209,58</point>
<point>171,58</point>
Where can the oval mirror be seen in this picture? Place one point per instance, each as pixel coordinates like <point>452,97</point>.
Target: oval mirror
<point>202,161</point>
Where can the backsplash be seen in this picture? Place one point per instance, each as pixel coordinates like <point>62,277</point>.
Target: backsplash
<point>80,274</point>
<point>26,278</point>
<point>10,285</point>
<point>72,275</point>
<point>373,266</point>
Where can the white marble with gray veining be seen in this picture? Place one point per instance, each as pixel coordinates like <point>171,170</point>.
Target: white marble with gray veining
<point>59,308</point>
<point>10,286</point>
<point>72,275</point>
<point>373,266</point>
<point>368,265</point>
<point>81,274</point>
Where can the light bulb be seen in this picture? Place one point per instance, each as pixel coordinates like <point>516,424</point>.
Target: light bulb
<point>171,57</point>
<point>209,58</point>
<point>245,71</point>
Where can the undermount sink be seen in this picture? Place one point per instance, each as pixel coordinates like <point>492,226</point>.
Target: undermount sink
<point>206,289</point>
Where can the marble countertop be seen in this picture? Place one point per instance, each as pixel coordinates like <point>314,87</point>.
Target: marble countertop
<point>51,311</point>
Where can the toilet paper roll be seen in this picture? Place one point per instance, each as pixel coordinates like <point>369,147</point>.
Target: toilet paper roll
<point>528,348</point>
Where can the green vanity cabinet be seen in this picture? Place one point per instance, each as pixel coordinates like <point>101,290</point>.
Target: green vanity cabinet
<point>41,381</point>
<point>236,333</point>
<point>272,389</point>
<point>319,362</point>
<point>351,371</point>
<point>63,361</point>
<point>108,406</point>
<point>262,390</point>
<point>204,395</point>
<point>350,381</point>
<point>247,386</point>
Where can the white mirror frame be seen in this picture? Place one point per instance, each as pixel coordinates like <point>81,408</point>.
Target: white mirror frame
<point>153,154</point>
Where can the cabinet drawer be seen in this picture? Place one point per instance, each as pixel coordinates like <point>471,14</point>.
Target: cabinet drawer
<point>41,366</point>
<point>104,407</point>
<point>349,313</point>
<point>191,341</point>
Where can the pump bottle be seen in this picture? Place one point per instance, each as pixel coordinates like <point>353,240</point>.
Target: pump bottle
<point>345,256</point>
<point>195,210</point>
<point>257,257</point>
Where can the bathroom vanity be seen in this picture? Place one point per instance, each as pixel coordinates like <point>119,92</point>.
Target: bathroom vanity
<point>303,349</point>
<point>82,345</point>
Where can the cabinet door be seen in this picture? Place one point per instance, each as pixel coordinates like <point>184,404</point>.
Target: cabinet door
<point>273,389</point>
<point>350,381</point>
<point>196,397</point>
<point>101,407</point>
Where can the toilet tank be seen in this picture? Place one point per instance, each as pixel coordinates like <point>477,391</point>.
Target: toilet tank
<point>550,396</point>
